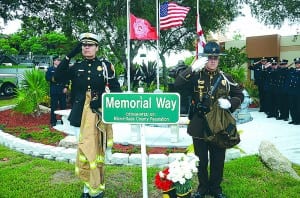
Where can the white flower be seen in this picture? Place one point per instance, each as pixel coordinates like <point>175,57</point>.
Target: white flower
<point>161,174</point>
<point>182,169</point>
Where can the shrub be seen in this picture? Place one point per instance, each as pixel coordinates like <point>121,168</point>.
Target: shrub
<point>32,93</point>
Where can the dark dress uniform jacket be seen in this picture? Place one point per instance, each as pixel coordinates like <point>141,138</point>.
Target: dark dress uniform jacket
<point>258,73</point>
<point>187,81</point>
<point>88,75</point>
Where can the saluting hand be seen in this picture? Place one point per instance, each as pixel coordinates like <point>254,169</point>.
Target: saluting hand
<point>75,50</point>
<point>199,64</point>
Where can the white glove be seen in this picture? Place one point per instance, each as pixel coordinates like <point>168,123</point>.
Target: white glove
<point>224,103</point>
<point>199,64</point>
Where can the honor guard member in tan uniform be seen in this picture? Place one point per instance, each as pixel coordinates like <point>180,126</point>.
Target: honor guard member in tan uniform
<point>90,79</point>
<point>198,80</point>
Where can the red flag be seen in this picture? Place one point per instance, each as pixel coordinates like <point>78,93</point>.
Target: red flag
<point>201,40</point>
<point>141,29</point>
<point>172,15</point>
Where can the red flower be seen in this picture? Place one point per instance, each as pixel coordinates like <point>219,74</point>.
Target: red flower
<point>161,181</point>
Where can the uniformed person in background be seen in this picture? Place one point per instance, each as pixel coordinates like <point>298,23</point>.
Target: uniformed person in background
<point>281,93</point>
<point>90,79</point>
<point>259,80</point>
<point>270,88</point>
<point>201,76</point>
<point>58,91</point>
<point>293,90</point>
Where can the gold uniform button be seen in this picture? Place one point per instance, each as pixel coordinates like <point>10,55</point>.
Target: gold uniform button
<point>89,64</point>
<point>89,86</point>
<point>89,71</point>
<point>88,78</point>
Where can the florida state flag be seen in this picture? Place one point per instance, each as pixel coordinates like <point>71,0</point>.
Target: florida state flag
<point>141,29</point>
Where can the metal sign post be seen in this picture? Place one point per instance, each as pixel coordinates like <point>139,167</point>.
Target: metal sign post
<point>141,108</point>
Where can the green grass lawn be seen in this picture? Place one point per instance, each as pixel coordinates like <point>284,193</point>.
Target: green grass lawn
<point>25,176</point>
<point>6,102</point>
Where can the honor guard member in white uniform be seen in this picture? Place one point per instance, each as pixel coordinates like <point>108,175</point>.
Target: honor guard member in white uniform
<point>90,78</point>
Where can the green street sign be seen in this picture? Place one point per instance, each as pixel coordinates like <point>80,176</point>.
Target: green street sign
<point>140,108</point>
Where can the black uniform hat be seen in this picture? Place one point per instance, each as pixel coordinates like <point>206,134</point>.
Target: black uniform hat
<point>211,49</point>
<point>283,62</point>
<point>55,57</point>
<point>89,38</point>
<point>263,59</point>
<point>274,62</point>
<point>297,60</point>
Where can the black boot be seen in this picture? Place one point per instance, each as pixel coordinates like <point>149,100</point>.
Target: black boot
<point>85,195</point>
<point>220,195</point>
<point>101,195</point>
<point>198,195</point>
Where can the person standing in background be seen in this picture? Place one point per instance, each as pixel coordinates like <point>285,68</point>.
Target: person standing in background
<point>58,91</point>
<point>259,80</point>
<point>293,91</point>
<point>283,105</point>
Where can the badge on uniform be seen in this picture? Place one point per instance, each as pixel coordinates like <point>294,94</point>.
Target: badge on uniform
<point>223,82</point>
<point>99,68</point>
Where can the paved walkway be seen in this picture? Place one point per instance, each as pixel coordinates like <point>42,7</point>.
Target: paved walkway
<point>286,137</point>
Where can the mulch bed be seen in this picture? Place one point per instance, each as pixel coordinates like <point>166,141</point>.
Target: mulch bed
<point>15,121</point>
<point>10,118</point>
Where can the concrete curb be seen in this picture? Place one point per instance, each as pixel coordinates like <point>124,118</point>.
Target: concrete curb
<point>69,154</point>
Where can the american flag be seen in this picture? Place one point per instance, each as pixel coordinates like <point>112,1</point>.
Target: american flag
<point>201,40</point>
<point>172,15</point>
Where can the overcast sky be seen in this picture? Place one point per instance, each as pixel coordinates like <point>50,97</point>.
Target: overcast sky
<point>248,26</point>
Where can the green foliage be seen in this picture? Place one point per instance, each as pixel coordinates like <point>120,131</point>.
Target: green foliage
<point>32,93</point>
<point>232,63</point>
<point>189,60</point>
<point>190,149</point>
<point>275,12</point>
<point>45,135</point>
<point>6,48</point>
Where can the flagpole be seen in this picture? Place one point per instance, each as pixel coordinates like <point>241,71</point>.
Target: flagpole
<point>128,45</point>
<point>157,42</point>
<point>197,21</point>
<point>197,7</point>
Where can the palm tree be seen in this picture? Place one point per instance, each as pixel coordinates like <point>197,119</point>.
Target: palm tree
<point>145,74</point>
<point>33,91</point>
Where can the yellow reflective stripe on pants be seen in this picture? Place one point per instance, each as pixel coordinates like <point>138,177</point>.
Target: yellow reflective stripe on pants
<point>82,158</point>
<point>110,143</point>
<point>100,159</point>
